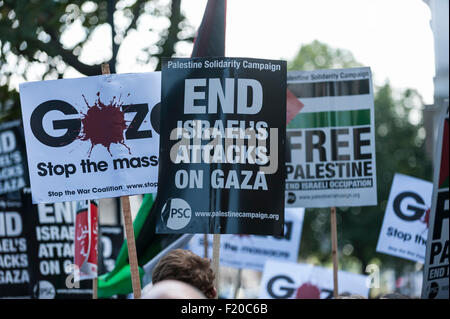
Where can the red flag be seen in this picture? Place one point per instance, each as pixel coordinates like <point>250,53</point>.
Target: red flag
<point>86,237</point>
<point>293,106</point>
<point>210,39</point>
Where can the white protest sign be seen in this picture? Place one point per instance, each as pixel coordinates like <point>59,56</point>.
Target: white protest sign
<point>252,251</point>
<point>282,280</point>
<point>331,143</point>
<point>92,137</point>
<point>405,225</point>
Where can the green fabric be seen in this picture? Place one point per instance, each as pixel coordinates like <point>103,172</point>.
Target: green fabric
<point>118,281</point>
<point>139,221</point>
<point>119,284</point>
<point>148,245</point>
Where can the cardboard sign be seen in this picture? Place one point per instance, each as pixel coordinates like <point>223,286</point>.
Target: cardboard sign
<point>436,268</point>
<point>330,144</point>
<point>251,252</point>
<point>281,280</point>
<point>405,226</point>
<point>92,137</point>
<point>223,124</point>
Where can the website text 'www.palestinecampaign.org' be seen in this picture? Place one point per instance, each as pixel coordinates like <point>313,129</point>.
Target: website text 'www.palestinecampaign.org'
<point>230,214</point>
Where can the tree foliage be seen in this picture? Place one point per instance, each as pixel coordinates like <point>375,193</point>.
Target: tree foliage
<point>34,36</point>
<point>399,140</point>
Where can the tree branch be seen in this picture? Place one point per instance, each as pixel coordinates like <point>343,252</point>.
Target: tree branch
<point>67,55</point>
<point>169,41</point>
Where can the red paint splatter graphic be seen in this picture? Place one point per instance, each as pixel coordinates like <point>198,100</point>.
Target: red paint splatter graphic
<point>308,291</point>
<point>103,124</point>
<point>426,217</point>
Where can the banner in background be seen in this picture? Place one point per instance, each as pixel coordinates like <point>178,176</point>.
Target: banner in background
<point>436,268</point>
<point>15,210</point>
<point>222,146</point>
<point>91,137</point>
<point>14,253</point>
<point>53,275</point>
<point>250,251</point>
<point>330,144</point>
<point>111,240</point>
<point>405,226</point>
<point>281,280</point>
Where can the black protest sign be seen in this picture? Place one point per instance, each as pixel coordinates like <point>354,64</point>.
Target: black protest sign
<point>53,271</point>
<point>222,142</point>
<point>14,253</point>
<point>13,169</point>
<point>14,213</point>
<point>111,241</point>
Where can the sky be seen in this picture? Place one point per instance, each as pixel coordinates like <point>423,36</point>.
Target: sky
<point>392,37</point>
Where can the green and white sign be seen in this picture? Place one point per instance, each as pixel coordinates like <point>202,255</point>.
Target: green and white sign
<point>330,144</point>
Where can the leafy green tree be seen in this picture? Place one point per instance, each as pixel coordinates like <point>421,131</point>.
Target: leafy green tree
<point>32,37</point>
<point>399,140</point>
<point>318,55</point>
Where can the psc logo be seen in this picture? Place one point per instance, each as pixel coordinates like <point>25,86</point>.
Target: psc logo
<point>291,198</point>
<point>415,206</point>
<point>176,213</point>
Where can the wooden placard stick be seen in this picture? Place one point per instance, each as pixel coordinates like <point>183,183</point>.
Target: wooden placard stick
<point>132,255</point>
<point>129,231</point>
<point>334,251</point>
<point>205,244</point>
<point>216,261</point>
<point>96,225</point>
<point>238,283</point>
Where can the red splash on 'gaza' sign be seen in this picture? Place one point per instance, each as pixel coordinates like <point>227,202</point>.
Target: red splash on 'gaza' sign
<point>104,124</point>
<point>307,291</point>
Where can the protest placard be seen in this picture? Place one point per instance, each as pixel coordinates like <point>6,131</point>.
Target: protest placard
<point>405,224</point>
<point>222,145</point>
<point>15,213</point>
<point>283,280</point>
<point>93,137</point>
<point>330,144</point>
<point>251,251</point>
<point>436,268</point>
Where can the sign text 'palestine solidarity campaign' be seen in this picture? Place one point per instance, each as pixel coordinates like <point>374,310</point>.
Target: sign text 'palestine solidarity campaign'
<point>330,144</point>
<point>223,124</point>
<point>91,137</point>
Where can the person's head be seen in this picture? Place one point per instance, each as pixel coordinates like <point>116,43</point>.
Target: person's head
<point>185,266</point>
<point>171,289</point>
